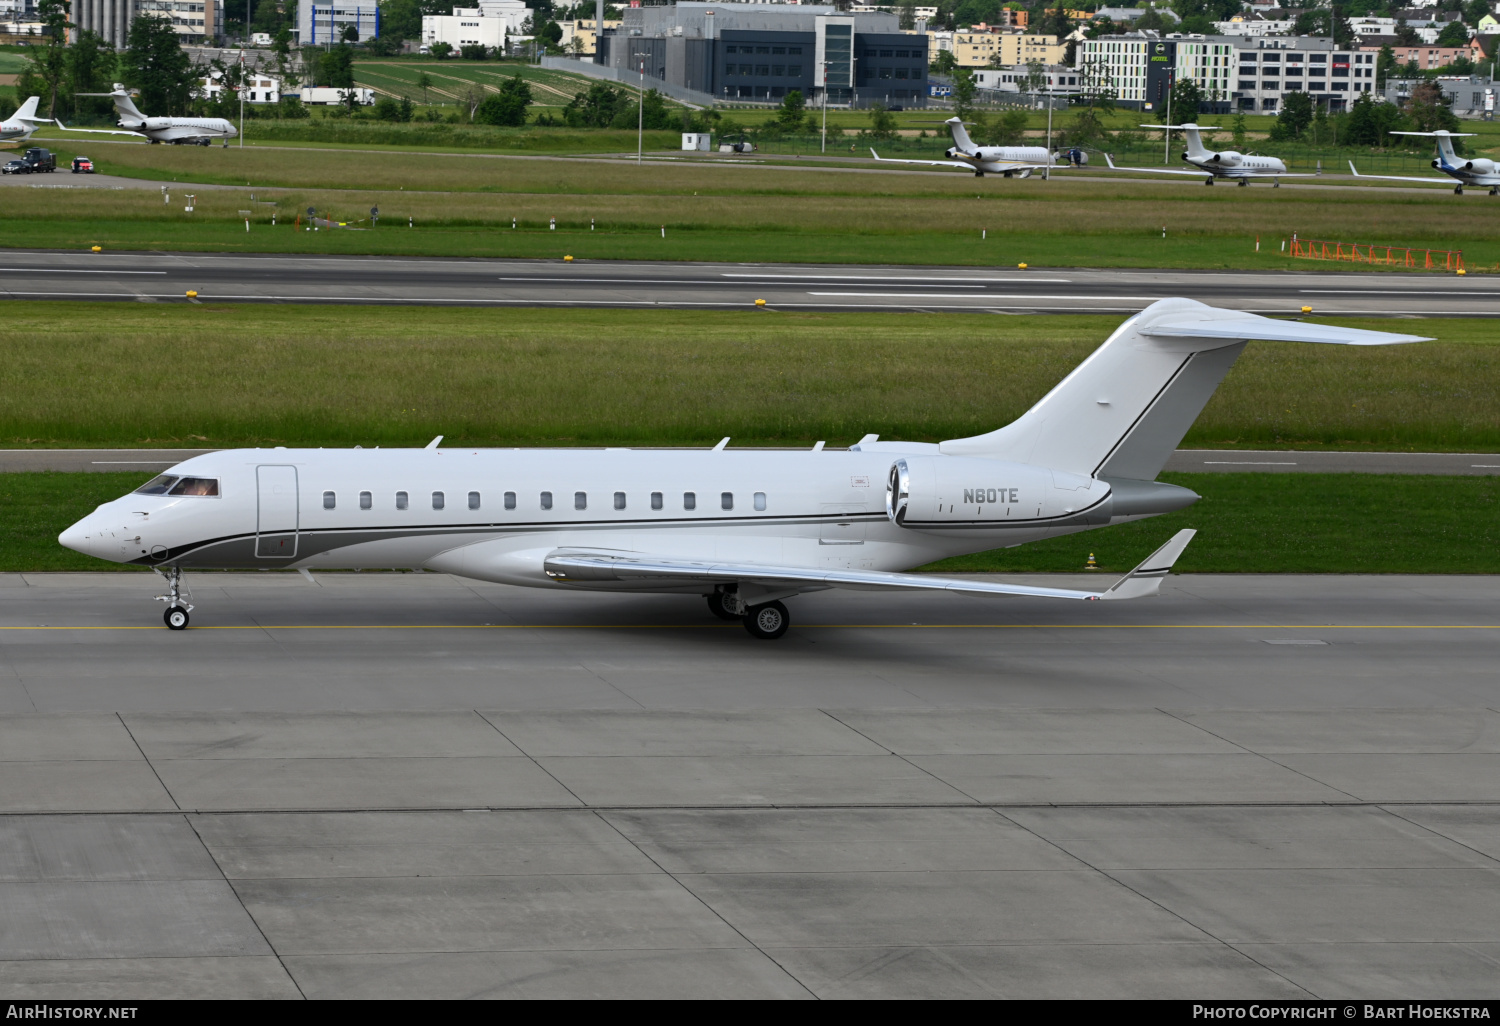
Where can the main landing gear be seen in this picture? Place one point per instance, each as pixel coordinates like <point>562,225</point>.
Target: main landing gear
<point>176,616</point>
<point>1244,182</point>
<point>766,622</point>
<point>1458,190</point>
<point>1209,180</point>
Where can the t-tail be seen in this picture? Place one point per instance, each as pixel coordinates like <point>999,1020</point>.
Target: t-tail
<point>1123,411</point>
<point>1195,147</point>
<point>961,140</point>
<point>1444,142</point>
<point>124,106</point>
<point>28,111</point>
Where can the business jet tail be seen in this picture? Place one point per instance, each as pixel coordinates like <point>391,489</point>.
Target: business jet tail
<point>1123,411</point>
<point>28,111</point>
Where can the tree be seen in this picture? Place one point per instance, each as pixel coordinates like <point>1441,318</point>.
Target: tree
<point>1295,117</point>
<point>1237,128</point>
<point>424,83</point>
<point>964,89</point>
<point>1429,111</point>
<point>401,19</point>
<point>350,34</point>
<point>508,106</point>
<point>155,63</point>
<point>1152,20</point>
<point>336,69</point>
<point>551,34</point>
<point>1455,33</point>
<point>1370,123</point>
<point>1187,98</point>
<point>474,52</point>
<point>1087,128</point>
<point>1475,10</point>
<point>1008,129</point>
<point>943,62</point>
<point>882,122</point>
<point>594,108</point>
<point>1405,34</point>
<point>792,110</point>
<point>51,62</point>
<point>90,69</point>
<point>1385,66</point>
<point>440,50</point>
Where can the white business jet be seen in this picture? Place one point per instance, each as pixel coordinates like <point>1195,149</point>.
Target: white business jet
<point>19,126</point>
<point>747,529</point>
<point>1240,167</point>
<point>1480,171</point>
<point>1000,160</point>
<point>201,131</point>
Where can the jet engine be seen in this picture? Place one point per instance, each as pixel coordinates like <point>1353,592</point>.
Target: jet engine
<point>939,491</point>
<point>1480,166</point>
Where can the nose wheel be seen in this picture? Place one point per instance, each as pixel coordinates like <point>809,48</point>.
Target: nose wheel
<point>176,616</point>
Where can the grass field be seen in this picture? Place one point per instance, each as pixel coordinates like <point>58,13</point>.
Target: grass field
<point>320,375</point>
<point>723,212</point>
<point>1247,523</point>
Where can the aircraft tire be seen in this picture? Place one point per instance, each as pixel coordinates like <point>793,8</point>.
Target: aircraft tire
<point>716,607</point>
<point>176,618</point>
<point>767,622</point>
<point>1208,181</point>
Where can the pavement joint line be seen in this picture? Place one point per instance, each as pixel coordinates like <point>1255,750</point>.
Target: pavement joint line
<point>716,626</point>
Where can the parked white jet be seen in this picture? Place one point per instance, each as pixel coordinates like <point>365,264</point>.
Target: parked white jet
<point>1479,171</point>
<point>201,131</point>
<point>1001,160</point>
<point>746,529</point>
<point>19,126</point>
<point>1216,163</point>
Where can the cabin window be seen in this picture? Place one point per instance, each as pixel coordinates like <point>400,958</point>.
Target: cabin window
<point>510,500</point>
<point>157,485</point>
<point>689,500</point>
<point>760,502</point>
<point>366,500</point>
<point>473,500</point>
<point>726,500</point>
<point>546,500</point>
<point>580,500</point>
<point>195,486</point>
<point>401,500</point>
<point>619,500</point>
<point>437,500</point>
<point>330,500</point>
<point>656,502</point>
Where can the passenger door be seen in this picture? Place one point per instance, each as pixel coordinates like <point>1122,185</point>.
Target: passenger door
<point>276,512</point>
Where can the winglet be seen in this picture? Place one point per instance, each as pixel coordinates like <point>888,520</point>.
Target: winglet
<point>874,154</point>
<point>1109,161</point>
<point>1354,171</point>
<point>435,442</point>
<point>1146,579</point>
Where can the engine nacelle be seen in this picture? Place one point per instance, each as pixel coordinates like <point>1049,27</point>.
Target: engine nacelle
<point>1481,166</point>
<point>940,491</point>
<point>951,152</point>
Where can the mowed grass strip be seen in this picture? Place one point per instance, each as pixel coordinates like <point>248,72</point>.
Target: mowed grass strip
<point>81,374</point>
<point>727,212</point>
<point>1247,523</point>
<point>1292,523</point>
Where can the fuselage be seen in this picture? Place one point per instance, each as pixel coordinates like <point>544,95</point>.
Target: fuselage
<point>181,129</point>
<point>999,159</point>
<point>494,514</point>
<point>12,131</point>
<point>1229,164</point>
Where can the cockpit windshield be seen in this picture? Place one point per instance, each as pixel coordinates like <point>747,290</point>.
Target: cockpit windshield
<point>157,485</point>
<point>170,484</point>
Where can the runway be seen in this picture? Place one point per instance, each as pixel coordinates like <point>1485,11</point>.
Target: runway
<point>406,785</point>
<point>165,277</point>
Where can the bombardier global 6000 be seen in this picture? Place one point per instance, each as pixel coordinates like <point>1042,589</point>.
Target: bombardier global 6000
<point>747,529</point>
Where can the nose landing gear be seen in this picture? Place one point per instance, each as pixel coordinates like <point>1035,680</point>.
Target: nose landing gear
<point>176,616</point>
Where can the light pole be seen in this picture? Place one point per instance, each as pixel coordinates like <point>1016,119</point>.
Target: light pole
<point>640,114</point>
<point>1047,174</point>
<point>823,147</point>
<point>242,98</point>
<point>1166,144</point>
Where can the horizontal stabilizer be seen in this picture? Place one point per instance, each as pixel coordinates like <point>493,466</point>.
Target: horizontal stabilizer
<point>1146,579</point>
<point>1438,133</point>
<point>1249,327</point>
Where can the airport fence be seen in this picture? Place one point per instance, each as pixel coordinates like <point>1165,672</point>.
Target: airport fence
<point>1384,256</point>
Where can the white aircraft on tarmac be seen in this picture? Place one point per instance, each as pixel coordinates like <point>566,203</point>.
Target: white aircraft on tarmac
<point>1240,167</point>
<point>1000,160</point>
<point>1479,171</point>
<point>746,529</point>
<point>201,131</point>
<point>19,126</point>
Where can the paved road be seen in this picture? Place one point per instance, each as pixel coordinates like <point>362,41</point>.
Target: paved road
<point>14,461</point>
<point>157,277</point>
<point>384,785</point>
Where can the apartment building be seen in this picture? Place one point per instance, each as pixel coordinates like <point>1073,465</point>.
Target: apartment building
<point>982,46</point>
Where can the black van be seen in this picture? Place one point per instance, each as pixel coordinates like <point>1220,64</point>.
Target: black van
<point>38,159</point>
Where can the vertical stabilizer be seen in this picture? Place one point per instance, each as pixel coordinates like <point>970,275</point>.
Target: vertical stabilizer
<point>28,110</point>
<point>960,135</point>
<point>1123,411</point>
<point>124,105</point>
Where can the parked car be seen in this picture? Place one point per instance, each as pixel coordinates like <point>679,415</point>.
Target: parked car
<point>83,166</point>
<point>15,167</point>
<point>39,159</point>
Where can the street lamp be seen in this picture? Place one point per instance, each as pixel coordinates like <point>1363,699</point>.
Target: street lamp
<point>640,115</point>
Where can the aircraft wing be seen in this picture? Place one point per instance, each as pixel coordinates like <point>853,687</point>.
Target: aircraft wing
<point>582,565</point>
<point>99,131</point>
<point>931,163</point>
<point>1154,170</point>
<point>1399,178</point>
<point>1227,172</point>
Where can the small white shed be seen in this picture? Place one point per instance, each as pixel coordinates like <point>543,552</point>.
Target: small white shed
<point>695,140</point>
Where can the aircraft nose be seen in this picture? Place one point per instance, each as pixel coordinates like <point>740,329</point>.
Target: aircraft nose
<point>84,536</point>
